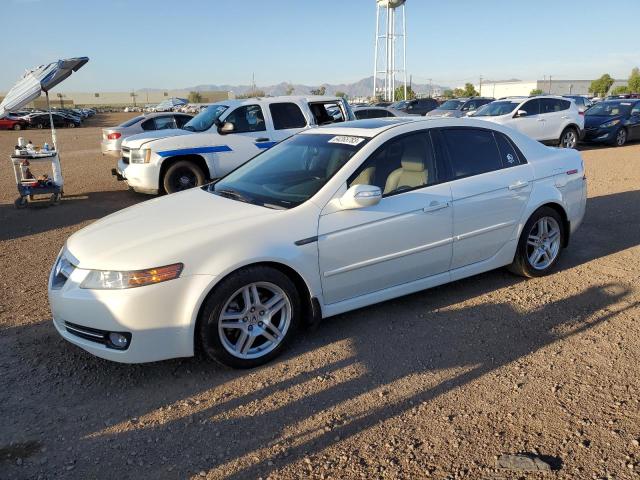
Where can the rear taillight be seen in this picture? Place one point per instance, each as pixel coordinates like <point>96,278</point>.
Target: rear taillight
<point>581,113</point>
<point>114,136</point>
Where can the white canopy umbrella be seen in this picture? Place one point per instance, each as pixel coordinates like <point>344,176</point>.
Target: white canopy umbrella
<point>40,79</point>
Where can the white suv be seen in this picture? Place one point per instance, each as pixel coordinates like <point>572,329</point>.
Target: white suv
<point>548,119</point>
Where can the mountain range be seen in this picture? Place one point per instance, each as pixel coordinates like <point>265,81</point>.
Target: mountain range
<point>361,88</point>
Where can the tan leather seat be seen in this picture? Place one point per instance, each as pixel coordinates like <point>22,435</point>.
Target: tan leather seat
<point>413,172</point>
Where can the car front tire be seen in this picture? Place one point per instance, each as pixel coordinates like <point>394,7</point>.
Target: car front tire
<point>183,175</point>
<point>249,318</point>
<point>620,138</point>
<point>17,127</point>
<point>540,244</point>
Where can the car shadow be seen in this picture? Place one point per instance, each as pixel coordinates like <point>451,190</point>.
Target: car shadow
<point>39,217</point>
<point>334,384</point>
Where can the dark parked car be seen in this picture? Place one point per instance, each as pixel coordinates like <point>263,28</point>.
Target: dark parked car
<point>41,120</point>
<point>419,106</point>
<point>376,112</point>
<point>613,121</point>
<point>459,107</point>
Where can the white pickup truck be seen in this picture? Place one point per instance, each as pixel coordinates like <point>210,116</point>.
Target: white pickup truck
<point>219,139</point>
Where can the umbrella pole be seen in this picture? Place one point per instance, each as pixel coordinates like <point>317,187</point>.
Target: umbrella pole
<point>53,128</point>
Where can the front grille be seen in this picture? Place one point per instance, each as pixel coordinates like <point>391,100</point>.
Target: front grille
<point>95,335</point>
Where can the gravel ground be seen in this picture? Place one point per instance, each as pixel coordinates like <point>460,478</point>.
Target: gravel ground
<point>434,385</point>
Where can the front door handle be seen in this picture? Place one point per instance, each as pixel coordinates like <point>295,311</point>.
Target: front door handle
<point>262,140</point>
<point>435,206</point>
<point>518,185</point>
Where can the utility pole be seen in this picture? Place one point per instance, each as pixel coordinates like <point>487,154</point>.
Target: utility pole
<point>480,85</point>
<point>549,84</point>
<point>430,87</point>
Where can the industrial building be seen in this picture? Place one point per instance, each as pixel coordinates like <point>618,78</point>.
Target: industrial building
<point>524,87</point>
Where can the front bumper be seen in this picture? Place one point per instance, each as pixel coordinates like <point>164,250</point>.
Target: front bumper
<point>160,319</point>
<point>142,178</point>
<point>599,135</point>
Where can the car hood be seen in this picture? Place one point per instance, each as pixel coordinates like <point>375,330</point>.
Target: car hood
<point>161,231</point>
<point>444,113</point>
<point>137,141</point>
<point>591,121</point>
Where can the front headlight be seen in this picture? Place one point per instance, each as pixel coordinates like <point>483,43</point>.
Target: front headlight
<point>142,155</point>
<point>112,280</point>
<point>612,123</point>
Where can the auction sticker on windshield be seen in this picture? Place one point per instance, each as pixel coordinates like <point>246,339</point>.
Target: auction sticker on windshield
<point>347,140</point>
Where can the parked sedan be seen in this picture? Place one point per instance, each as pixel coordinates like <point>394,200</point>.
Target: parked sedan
<point>236,266</point>
<point>459,107</point>
<point>418,106</point>
<point>613,121</point>
<point>112,137</point>
<point>377,112</point>
<point>11,122</point>
<point>41,120</point>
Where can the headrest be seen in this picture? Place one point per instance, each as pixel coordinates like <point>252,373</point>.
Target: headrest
<point>413,156</point>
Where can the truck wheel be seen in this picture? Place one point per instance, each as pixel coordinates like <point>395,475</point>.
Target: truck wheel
<point>183,175</point>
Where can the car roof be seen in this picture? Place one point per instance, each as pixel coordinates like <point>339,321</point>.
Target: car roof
<point>284,98</point>
<point>370,128</point>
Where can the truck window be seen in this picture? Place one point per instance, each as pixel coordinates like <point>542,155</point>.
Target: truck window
<point>326,113</point>
<point>247,119</point>
<point>287,115</point>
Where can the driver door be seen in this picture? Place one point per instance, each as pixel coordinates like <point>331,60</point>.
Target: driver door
<point>251,135</point>
<point>405,237</point>
<point>533,123</point>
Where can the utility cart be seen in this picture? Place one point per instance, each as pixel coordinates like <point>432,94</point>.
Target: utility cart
<point>32,84</point>
<point>30,186</point>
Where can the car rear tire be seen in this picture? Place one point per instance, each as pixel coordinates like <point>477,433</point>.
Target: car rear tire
<point>71,125</point>
<point>249,318</point>
<point>17,127</point>
<point>540,244</point>
<point>569,138</point>
<point>620,138</point>
<point>39,126</point>
<point>182,175</point>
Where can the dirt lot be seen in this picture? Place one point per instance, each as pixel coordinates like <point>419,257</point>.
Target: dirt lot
<point>434,385</point>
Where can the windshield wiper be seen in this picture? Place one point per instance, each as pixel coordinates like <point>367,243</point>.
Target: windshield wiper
<point>233,194</point>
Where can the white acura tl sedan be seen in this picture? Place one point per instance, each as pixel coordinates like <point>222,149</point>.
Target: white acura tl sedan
<point>330,220</point>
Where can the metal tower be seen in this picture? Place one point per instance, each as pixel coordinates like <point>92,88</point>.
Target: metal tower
<point>389,29</point>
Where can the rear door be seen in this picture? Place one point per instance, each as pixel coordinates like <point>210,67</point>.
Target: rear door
<point>490,189</point>
<point>634,122</point>
<point>555,113</point>
<point>288,119</point>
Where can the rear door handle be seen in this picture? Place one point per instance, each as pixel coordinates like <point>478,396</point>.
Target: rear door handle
<point>435,206</point>
<point>261,140</point>
<point>518,185</point>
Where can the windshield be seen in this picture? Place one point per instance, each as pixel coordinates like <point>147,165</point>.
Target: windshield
<point>451,105</point>
<point>609,109</point>
<point>205,119</point>
<point>128,123</point>
<point>291,172</point>
<point>495,108</point>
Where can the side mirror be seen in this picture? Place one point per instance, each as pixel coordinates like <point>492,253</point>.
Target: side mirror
<point>360,196</point>
<point>226,127</point>
<point>521,113</point>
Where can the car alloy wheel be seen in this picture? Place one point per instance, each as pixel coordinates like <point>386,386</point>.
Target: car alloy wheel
<point>254,320</point>
<point>569,139</point>
<point>621,137</point>
<point>543,243</point>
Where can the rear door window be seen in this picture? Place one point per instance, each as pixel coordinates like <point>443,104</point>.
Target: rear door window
<point>472,151</point>
<point>287,115</point>
<point>163,123</point>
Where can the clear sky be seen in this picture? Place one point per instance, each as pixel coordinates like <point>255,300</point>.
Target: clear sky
<point>135,44</point>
